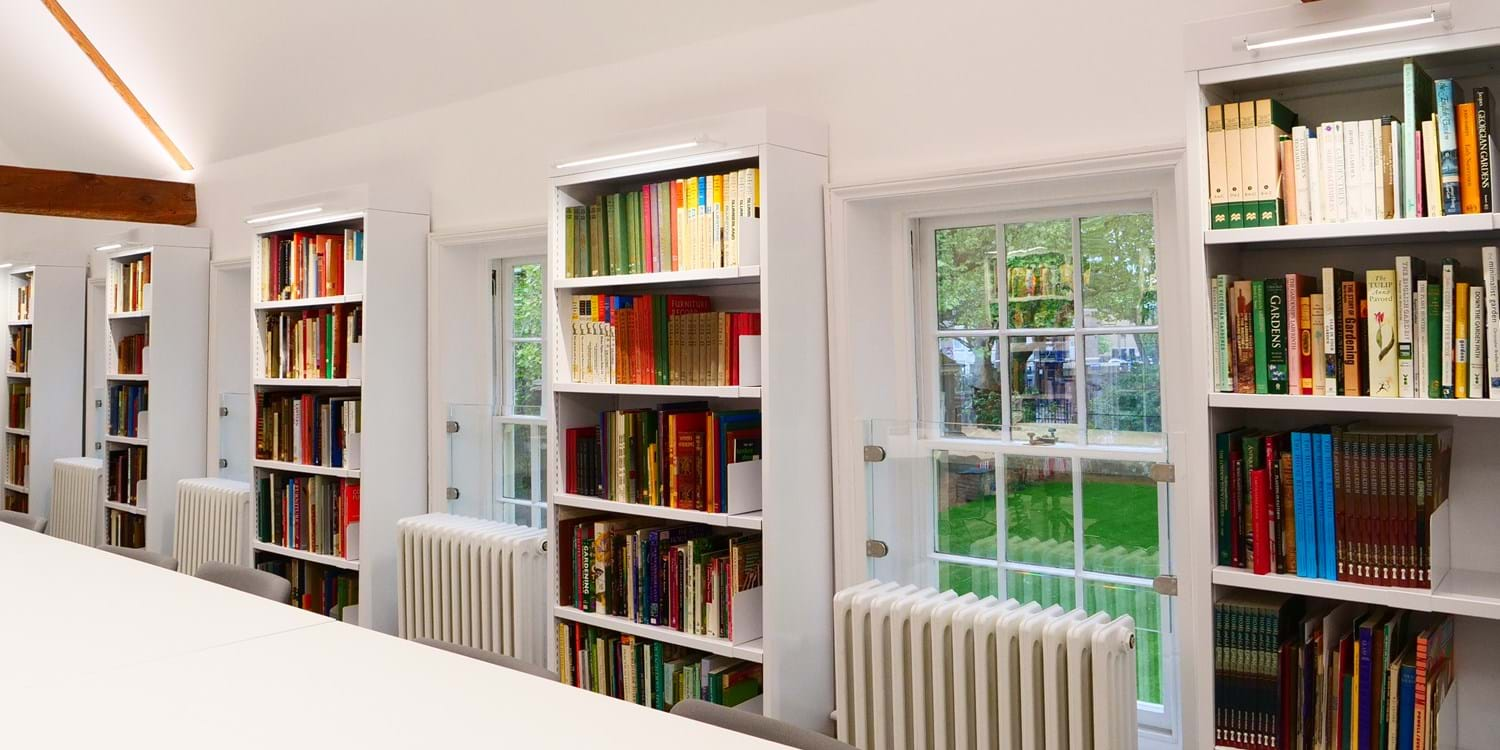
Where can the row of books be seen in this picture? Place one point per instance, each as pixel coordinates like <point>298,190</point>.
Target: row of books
<point>1348,503</point>
<point>682,577</point>
<point>675,455</point>
<point>1397,333</point>
<point>18,415</point>
<point>316,344</point>
<point>16,501</point>
<point>308,513</point>
<point>124,529</point>
<point>23,299</point>
<point>1289,673</point>
<point>1266,170</point>
<point>650,673</point>
<point>677,225</point>
<point>20,349</point>
<point>316,588</point>
<point>303,265</point>
<point>130,354</point>
<point>304,428</point>
<point>18,460</point>
<point>132,288</point>
<point>672,339</point>
<point>127,469</point>
<point>126,403</point>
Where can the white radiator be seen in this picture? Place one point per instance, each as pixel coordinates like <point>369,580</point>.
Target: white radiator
<point>77,512</point>
<point>475,583</point>
<point>215,523</point>
<point>919,669</point>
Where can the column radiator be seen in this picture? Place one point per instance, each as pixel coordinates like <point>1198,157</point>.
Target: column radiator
<point>215,522</point>
<point>475,583</point>
<point>920,669</point>
<point>77,513</point>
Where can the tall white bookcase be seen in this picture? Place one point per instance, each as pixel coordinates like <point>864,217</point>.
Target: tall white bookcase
<point>1339,79</point>
<point>786,287</point>
<point>170,309</point>
<point>386,371</point>
<point>44,403</point>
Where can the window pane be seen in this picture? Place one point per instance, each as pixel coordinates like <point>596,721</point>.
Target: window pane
<point>526,300</point>
<point>1039,274</point>
<point>526,379</point>
<point>1042,389</point>
<point>969,380</point>
<point>1120,517</point>
<point>1145,607</point>
<point>965,504</point>
<point>1119,270</point>
<point>1124,388</point>
<point>1047,590</point>
<point>513,513</point>
<point>1039,511</point>
<point>968,579</point>
<point>966,295</point>
<point>517,473</point>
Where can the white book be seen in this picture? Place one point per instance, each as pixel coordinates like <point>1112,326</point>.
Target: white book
<point>1405,376</point>
<point>1447,343</point>
<point>1398,193</point>
<point>1330,330</point>
<point>1490,259</point>
<point>1300,178</point>
<point>1365,143</point>
<point>1338,206</point>
<point>1476,341</point>
<point>1419,337</point>
<point>1315,198</point>
<point>1382,154</point>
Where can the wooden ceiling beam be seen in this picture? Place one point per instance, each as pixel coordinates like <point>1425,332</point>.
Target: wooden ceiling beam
<point>80,195</point>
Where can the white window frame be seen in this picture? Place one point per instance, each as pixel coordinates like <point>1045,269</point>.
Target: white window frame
<point>503,271</point>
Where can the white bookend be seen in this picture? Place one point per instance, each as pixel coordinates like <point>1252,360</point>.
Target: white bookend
<point>742,487</point>
<point>1316,198</point>
<point>1490,259</point>
<point>1405,377</point>
<point>748,615</point>
<point>1300,175</point>
<point>1477,341</point>
<point>143,425</point>
<point>750,361</point>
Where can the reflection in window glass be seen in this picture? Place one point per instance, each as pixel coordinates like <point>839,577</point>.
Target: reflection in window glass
<point>966,295</point>
<point>1039,274</point>
<point>1046,590</point>
<point>969,373</point>
<point>979,580</point>
<point>1039,511</point>
<point>966,504</point>
<point>1042,388</point>
<point>1145,607</point>
<point>1124,389</point>
<point>1120,531</point>
<point>1119,270</point>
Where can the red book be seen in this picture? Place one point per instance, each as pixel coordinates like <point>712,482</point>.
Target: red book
<point>570,481</point>
<point>1260,498</point>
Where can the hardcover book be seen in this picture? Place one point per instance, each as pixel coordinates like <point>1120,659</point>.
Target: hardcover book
<point>1449,95</point>
<point>1381,328</point>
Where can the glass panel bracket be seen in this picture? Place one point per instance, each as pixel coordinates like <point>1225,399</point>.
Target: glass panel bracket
<point>1163,472</point>
<point>874,454</point>
<point>1165,585</point>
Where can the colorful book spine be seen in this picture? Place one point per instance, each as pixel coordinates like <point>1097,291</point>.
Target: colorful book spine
<point>1381,326</point>
<point>1262,340</point>
<point>1233,170</point>
<point>1466,120</point>
<point>1278,375</point>
<point>1483,124</point>
<point>1449,308</point>
<point>1218,195</point>
<point>1448,96</point>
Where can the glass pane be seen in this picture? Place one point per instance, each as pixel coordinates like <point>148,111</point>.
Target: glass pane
<point>969,380</point>
<point>1047,590</point>
<point>966,579</point>
<point>1039,511</point>
<point>966,294</point>
<point>1120,518</point>
<point>1124,389</point>
<point>526,301</point>
<point>515,462</point>
<point>1039,274</point>
<point>1119,270</point>
<point>1145,607</point>
<point>469,460</point>
<point>1042,388</point>
<point>965,486</point>
<point>526,388</point>
<point>513,513</point>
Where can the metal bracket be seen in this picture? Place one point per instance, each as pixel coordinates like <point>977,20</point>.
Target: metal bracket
<point>874,454</point>
<point>1163,473</point>
<point>98,402</point>
<point>451,426</point>
<point>223,411</point>
<point>452,493</point>
<point>1165,585</point>
<point>876,548</point>
<point>98,445</point>
<point>223,463</point>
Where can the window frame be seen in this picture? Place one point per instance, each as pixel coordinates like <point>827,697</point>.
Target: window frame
<point>502,272</point>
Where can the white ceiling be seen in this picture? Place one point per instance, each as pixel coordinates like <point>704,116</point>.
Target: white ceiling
<point>233,77</point>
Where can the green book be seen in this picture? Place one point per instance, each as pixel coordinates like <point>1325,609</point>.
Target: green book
<point>614,235</point>
<point>1434,339</point>
<point>632,232</point>
<point>1278,371</point>
<point>598,266</point>
<point>1262,361</point>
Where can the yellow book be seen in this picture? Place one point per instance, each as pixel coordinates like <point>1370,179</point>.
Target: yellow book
<point>1460,340</point>
<point>1218,196</point>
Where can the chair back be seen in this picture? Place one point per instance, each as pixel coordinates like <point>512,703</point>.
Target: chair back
<point>756,725</point>
<point>24,520</point>
<point>142,554</point>
<point>248,580</point>
<point>499,660</point>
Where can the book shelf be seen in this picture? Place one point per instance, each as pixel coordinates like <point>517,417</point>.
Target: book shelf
<point>780,276</point>
<point>155,336</point>
<point>1323,82</point>
<point>44,313</point>
<point>341,272</point>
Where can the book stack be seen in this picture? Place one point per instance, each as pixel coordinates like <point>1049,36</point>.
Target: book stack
<point>131,293</point>
<point>316,588</point>
<point>676,455</point>
<point>311,344</point>
<point>672,339</point>
<point>307,265</point>
<point>310,513</point>
<point>676,225</point>
<point>1266,170</point>
<point>20,349</point>
<point>303,428</point>
<point>127,467</point>
<point>126,403</point>
<point>17,501</point>
<point>650,673</point>
<point>682,577</point>
<point>124,529</point>
<point>17,416</point>
<point>23,299</point>
<point>18,460</point>
<point>1293,674</point>
<point>1348,503</point>
<point>130,354</point>
<point>1390,333</point>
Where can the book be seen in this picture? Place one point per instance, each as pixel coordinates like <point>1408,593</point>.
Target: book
<point>1448,95</point>
<point>1352,355</point>
<point>1272,122</point>
<point>1317,344</point>
<point>1315,202</point>
<point>1439,347</point>
<point>1483,125</point>
<point>1408,269</point>
<point>1431,168</point>
<point>1302,184</point>
<point>1332,285</point>
<point>1490,261</point>
<point>1466,123</point>
<point>1288,185</point>
<point>1381,327</point>
<point>1218,194</point>
<point>1242,305</point>
<point>1304,345</point>
<point>1335,170</point>
<point>1477,340</point>
<point>1249,165</point>
<point>1449,308</point>
<point>1233,172</point>
<point>1277,355</point>
<point>1417,107</point>
<point>1261,339</point>
<point>1223,354</point>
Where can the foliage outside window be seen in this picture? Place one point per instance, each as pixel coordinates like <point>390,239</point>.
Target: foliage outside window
<point>520,432</point>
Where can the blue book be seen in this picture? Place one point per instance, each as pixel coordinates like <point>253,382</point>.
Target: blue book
<point>1448,94</point>
<point>1405,702</point>
<point>1302,505</point>
<point>1327,549</point>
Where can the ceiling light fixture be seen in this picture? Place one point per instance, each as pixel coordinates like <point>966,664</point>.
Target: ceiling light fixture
<point>628,155</point>
<point>108,71</point>
<point>109,247</point>
<point>267,218</point>
<point>6,265</point>
<point>1423,17</point>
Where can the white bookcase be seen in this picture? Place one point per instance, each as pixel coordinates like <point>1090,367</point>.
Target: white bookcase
<point>1339,79</point>
<point>781,276</point>
<point>45,302</point>
<point>386,370</point>
<point>170,309</point>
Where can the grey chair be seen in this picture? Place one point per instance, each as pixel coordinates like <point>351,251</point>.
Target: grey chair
<point>143,555</point>
<point>24,520</point>
<point>248,580</point>
<point>499,660</point>
<point>755,725</point>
